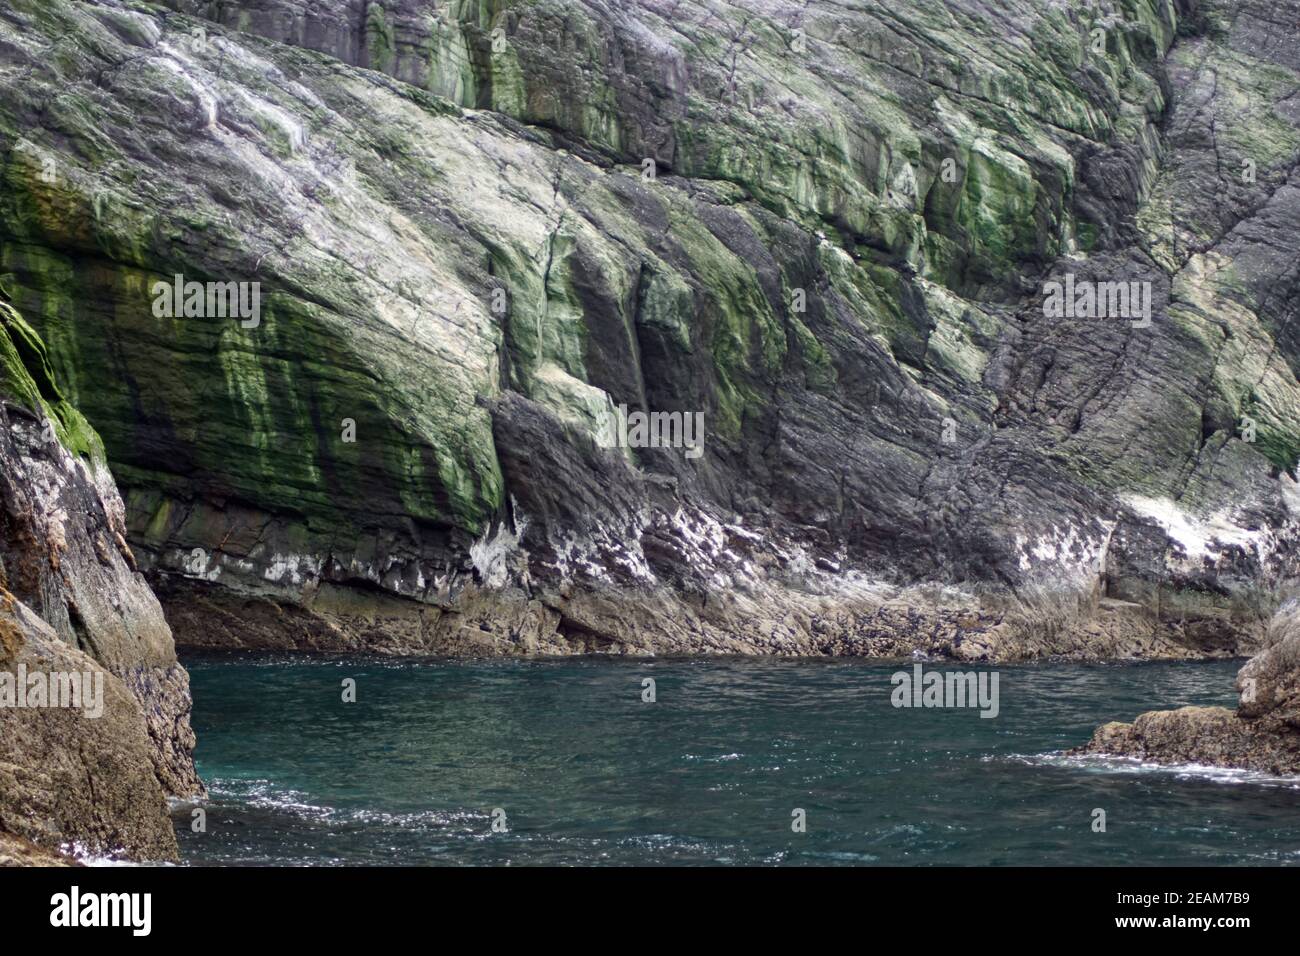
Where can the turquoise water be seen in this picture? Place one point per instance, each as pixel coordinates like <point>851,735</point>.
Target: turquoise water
<point>710,773</point>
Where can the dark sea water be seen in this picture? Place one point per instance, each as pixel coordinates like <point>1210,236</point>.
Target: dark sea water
<point>710,773</point>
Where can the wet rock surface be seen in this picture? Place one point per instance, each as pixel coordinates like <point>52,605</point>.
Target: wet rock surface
<point>93,773</point>
<point>68,781</point>
<point>1262,734</point>
<point>18,852</point>
<point>840,259</point>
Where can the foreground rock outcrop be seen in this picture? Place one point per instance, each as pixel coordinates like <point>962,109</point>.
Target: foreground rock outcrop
<point>90,772</point>
<point>15,851</point>
<point>483,234</point>
<point>1262,734</point>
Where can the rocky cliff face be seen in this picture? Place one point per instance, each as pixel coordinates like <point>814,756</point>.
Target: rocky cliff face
<point>92,773</point>
<point>479,230</point>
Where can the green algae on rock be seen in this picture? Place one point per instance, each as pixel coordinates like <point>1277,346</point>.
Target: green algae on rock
<point>72,601</point>
<point>480,229</point>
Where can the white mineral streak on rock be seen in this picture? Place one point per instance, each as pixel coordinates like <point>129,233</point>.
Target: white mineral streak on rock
<point>1199,537</point>
<point>492,552</point>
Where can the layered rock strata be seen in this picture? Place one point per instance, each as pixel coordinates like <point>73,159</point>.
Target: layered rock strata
<point>90,771</point>
<point>483,235</point>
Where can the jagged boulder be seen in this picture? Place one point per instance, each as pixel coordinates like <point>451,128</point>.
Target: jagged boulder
<point>1262,734</point>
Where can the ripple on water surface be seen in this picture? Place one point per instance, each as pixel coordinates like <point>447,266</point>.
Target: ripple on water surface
<point>713,772</point>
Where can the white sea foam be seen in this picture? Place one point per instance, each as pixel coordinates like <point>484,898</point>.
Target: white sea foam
<point>112,858</point>
<point>1105,763</point>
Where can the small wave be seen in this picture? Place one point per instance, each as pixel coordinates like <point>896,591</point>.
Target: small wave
<point>845,856</point>
<point>1107,763</point>
<point>719,759</point>
<point>111,858</point>
<point>672,842</point>
<point>264,795</point>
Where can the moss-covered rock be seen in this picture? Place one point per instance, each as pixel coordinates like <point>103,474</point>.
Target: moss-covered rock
<point>826,230</point>
<point>73,602</point>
